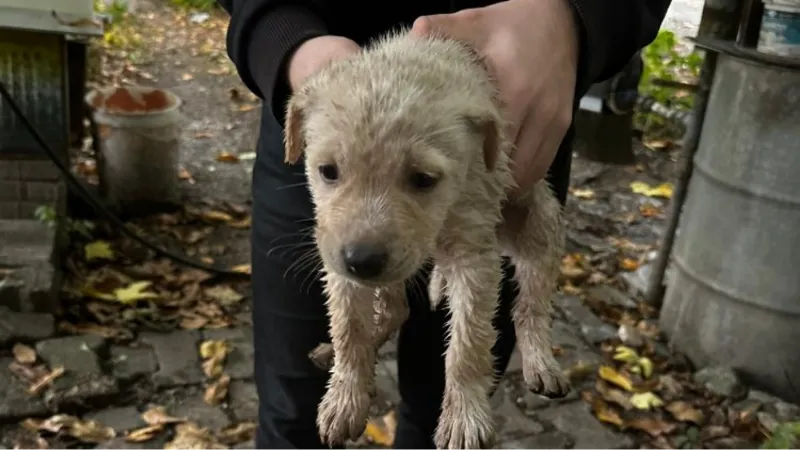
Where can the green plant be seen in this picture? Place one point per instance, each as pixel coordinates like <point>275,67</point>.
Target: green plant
<point>116,10</point>
<point>785,435</point>
<point>662,60</point>
<point>203,5</point>
<point>47,215</point>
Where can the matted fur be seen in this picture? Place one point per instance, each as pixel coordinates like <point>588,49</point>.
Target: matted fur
<point>402,107</point>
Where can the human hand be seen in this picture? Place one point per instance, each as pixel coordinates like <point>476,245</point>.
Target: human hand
<point>316,53</point>
<point>531,48</point>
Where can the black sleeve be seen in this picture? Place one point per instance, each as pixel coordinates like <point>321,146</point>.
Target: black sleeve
<point>261,36</point>
<point>612,31</point>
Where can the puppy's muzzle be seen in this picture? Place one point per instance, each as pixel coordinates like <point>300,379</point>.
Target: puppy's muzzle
<point>365,260</point>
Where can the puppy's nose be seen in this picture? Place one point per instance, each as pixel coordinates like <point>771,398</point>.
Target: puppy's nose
<point>365,260</point>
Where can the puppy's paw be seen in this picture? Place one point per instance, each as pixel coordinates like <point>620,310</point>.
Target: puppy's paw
<point>465,422</point>
<point>322,356</point>
<point>342,413</point>
<point>544,376</point>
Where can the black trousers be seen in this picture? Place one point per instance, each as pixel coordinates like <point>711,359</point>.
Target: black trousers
<point>289,316</point>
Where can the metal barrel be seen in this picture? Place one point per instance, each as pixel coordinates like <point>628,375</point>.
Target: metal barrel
<point>733,291</point>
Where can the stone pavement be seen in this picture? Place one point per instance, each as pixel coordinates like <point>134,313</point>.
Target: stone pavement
<point>114,384</point>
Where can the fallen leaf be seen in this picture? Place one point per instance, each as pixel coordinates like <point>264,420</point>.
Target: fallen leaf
<point>663,190</point>
<point>605,413</point>
<point>247,156</point>
<point>24,354</point>
<point>583,193</point>
<point>377,435</point>
<point>228,157</point>
<point>217,391</point>
<point>625,354</point>
<point>144,434</point>
<point>246,107</point>
<point>646,401</point>
<point>192,436</point>
<point>46,380</point>
<point>225,295</point>
<point>216,216</point>
<point>235,434</point>
<point>187,77</point>
<point>649,210</point>
<point>185,175</point>
<point>89,431</point>
<point>134,292</point>
<point>685,412</point>
<point>653,426</point>
<point>242,268</point>
<point>612,376</point>
<point>214,353</point>
<point>157,415</point>
<point>659,144</point>
<point>579,372</point>
<point>612,395</point>
<point>628,264</point>
<point>98,250</point>
<point>646,366</point>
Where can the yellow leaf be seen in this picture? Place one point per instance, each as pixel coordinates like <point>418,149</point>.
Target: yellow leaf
<point>144,434</point>
<point>98,250</point>
<point>157,415</point>
<point>662,190</point>
<point>226,156</point>
<point>647,367</point>
<point>217,391</point>
<point>646,400</point>
<point>612,376</point>
<point>583,193</point>
<point>377,435</point>
<point>24,354</point>
<point>625,354</point>
<point>628,264</point>
<point>242,268</point>
<point>134,292</point>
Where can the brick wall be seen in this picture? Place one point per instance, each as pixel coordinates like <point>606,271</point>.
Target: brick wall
<point>26,184</point>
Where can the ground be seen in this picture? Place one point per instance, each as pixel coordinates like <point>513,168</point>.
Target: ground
<point>149,354</point>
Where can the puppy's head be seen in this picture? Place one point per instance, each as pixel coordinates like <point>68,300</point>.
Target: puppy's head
<point>385,163</point>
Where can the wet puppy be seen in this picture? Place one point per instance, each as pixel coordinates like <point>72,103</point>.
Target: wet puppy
<point>407,163</point>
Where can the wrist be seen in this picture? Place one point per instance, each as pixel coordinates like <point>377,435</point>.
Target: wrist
<point>314,54</point>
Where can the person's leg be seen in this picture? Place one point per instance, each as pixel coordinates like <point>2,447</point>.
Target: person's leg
<point>289,316</point>
<point>422,340</point>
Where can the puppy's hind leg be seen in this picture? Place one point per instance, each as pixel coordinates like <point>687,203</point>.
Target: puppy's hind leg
<point>535,248</point>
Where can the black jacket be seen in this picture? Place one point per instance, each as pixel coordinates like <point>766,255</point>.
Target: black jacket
<point>262,33</point>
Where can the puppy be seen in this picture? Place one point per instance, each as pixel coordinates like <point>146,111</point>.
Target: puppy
<point>407,163</point>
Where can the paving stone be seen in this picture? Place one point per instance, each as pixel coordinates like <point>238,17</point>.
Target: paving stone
<point>529,402</point>
<point>246,445</point>
<point>575,420</point>
<point>239,362</point>
<point>592,328</point>
<point>243,400</point>
<point>120,419</point>
<point>722,381</point>
<point>178,357</point>
<point>550,439</point>
<point>15,402</point>
<point>11,293</point>
<point>512,423</point>
<point>611,296</point>
<point>82,389</point>
<point>128,363</point>
<point>197,410</point>
<point>120,443</point>
<point>386,383</point>
<point>78,354</point>
<point>25,327</point>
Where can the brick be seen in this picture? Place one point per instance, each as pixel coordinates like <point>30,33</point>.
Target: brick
<point>9,170</point>
<point>177,356</point>
<point>10,191</point>
<point>27,210</point>
<point>78,354</point>
<point>42,191</point>
<point>129,363</point>
<point>9,210</point>
<point>43,170</point>
<point>24,327</point>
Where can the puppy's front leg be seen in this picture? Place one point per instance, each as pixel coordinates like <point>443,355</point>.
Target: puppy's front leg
<point>343,411</point>
<point>473,280</point>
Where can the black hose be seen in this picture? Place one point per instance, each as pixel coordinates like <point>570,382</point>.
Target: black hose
<point>78,187</point>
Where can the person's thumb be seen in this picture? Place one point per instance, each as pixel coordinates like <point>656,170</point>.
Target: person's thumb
<point>439,24</point>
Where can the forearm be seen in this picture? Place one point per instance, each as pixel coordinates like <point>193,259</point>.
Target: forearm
<point>262,36</point>
<point>611,32</point>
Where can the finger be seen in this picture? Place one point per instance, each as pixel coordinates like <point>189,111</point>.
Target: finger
<point>427,25</point>
<point>537,145</point>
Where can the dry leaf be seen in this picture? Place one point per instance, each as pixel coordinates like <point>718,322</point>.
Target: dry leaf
<point>216,216</point>
<point>217,391</point>
<point>646,401</point>
<point>134,292</point>
<point>24,354</point>
<point>192,436</point>
<point>579,372</point>
<point>225,295</point>
<point>157,415</point>
<point>187,77</point>
<point>612,376</point>
<point>653,426</point>
<point>247,107</point>
<point>625,354</point>
<point>144,434</point>
<point>685,412</point>
<point>235,434</point>
<point>89,431</point>
<point>46,380</point>
<point>647,367</point>
<point>228,157</point>
<point>649,210</point>
<point>612,395</point>
<point>185,175</point>
<point>605,413</point>
<point>583,193</point>
<point>214,352</point>
<point>663,190</point>
<point>628,264</point>
<point>98,250</point>
<point>242,268</point>
<point>375,434</point>
<point>657,144</point>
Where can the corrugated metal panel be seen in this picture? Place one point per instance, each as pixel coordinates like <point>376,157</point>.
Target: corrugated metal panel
<point>33,66</point>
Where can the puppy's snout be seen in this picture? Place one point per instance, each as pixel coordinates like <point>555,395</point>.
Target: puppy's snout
<point>365,260</point>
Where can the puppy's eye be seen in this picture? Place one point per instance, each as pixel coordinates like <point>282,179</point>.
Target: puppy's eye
<point>423,181</point>
<point>329,172</point>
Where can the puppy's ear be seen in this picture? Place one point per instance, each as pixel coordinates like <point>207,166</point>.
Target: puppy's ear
<point>293,139</point>
<point>487,128</point>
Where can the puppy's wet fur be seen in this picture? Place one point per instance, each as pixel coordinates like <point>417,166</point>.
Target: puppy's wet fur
<point>407,163</point>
